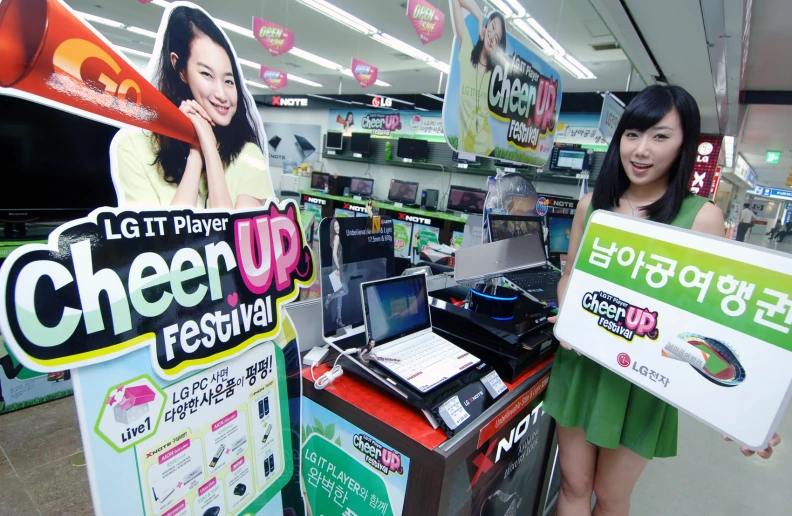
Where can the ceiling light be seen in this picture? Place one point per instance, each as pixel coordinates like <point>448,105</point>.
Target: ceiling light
<point>421,109</point>
<point>321,61</point>
<point>340,16</point>
<point>569,67</point>
<point>534,36</point>
<point>142,32</point>
<point>134,52</point>
<point>98,19</point>
<point>404,48</point>
<point>257,85</point>
<point>435,97</point>
<point>235,28</point>
<point>502,7</point>
<point>541,30</point>
<point>295,78</point>
<point>161,3</point>
<point>582,68</point>
<point>517,7</point>
<point>382,83</point>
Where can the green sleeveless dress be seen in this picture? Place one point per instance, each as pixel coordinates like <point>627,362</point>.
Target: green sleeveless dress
<point>610,409</point>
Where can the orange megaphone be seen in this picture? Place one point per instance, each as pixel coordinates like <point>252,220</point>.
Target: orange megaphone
<point>51,53</point>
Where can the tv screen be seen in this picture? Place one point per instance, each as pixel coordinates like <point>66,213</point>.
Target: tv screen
<point>320,180</point>
<point>569,158</point>
<point>56,166</point>
<point>403,191</point>
<point>468,200</point>
<point>412,149</point>
<point>361,143</point>
<point>335,141</point>
<point>361,186</point>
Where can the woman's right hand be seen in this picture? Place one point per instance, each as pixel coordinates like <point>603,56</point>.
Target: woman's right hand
<point>201,121</point>
<point>564,345</point>
<point>482,28</point>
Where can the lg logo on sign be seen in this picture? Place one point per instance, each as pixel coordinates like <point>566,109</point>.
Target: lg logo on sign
<point>704,150</point>
<point>289,102</point>
<point>381,102</point>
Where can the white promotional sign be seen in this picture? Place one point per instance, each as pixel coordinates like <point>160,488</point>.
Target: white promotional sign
<point>700,322</point>
<point>612,111</point>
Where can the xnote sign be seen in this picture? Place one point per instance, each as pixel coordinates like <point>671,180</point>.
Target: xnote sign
<point>289,102</point>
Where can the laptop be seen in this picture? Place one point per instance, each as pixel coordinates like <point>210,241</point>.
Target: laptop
<point>541,282</point>
<point>477,263</point>
<point>399,333</point>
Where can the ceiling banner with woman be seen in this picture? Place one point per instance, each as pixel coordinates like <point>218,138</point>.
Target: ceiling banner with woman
<point>502,100</point>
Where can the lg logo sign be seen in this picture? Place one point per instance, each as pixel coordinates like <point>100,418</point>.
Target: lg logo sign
<point>704,150</point>
<point>289,102</point>
<point>381,102</point>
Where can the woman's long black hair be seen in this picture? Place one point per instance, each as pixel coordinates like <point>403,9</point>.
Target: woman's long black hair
<point>646,110</point>
<point>185,24</point>
<point>475,55</point>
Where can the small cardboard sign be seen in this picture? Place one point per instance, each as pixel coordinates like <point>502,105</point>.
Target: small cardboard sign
<point>699,321</point>
<point>427,20</point>
<point>276,39</point>
<point>364,73</point>
<point>197,287</point>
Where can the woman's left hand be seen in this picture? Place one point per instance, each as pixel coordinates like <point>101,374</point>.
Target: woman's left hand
<point>766,453</point>
<point>202,122</point>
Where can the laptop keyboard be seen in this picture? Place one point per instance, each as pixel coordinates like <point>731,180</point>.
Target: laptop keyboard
<point>546,280</point>
<point>425,361</point>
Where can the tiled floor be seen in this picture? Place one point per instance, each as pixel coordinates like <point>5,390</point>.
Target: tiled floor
<point>710,477</point>
<point>36,474</point>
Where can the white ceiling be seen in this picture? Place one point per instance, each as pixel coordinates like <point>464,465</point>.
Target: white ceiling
<point>768,127</point>
<point>574,24</point>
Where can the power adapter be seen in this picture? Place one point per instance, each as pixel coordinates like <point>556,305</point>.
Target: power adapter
<point>315,356</point>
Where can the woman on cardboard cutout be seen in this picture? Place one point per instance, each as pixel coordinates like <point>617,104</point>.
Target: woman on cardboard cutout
<point>197,71</point>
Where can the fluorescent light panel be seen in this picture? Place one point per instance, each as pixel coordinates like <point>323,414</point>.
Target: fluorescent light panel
<point>519,10</point>
<point>134,52</point>
<point>340,16</point>
<point>502,7</point>
<point>257,85</point>
<point>534,36</point>
<point>435,97</point>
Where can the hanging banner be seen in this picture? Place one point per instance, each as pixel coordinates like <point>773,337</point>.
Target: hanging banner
<point>51,53</point>
<point>501,100</point>
<point>423,125</point>
<point>705,170</point>
<point>700,322</point>
<point>276,39</point>
<point>273,78</point>
<point>612,111</point>
<point>427,20</point>
<point>364,73</point>
<point>374,474</point>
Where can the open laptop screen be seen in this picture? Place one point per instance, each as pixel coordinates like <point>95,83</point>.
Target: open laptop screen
<point>396,308</point>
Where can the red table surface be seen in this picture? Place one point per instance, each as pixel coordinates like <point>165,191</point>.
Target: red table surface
<point>392,411</point>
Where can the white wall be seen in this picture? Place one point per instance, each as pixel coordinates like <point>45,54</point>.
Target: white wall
<point>382,174</point>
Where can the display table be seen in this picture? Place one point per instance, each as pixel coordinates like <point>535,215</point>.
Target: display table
<point>502,460</point>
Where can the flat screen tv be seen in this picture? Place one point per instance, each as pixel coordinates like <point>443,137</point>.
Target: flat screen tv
<point>55,165</point>
<point>361,143</point>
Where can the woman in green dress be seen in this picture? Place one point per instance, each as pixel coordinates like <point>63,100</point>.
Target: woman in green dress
<point>608,428</point>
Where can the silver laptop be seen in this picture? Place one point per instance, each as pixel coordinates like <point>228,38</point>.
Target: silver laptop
<point>399,333</point>
<point>498,258</point>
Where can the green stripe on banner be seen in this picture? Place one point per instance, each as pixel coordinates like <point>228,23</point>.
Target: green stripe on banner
<point>765,313</point>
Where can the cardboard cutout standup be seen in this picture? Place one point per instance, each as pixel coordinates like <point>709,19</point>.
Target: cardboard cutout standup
<point>169,308</point>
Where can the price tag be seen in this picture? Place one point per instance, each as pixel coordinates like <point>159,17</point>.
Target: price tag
<point>453,413</point>
<point>510,169</point>
<point>462,165</point>
<point>398,205</point>
<point>494,385</point>
<point>331,152</point>
<point>357,155</point>
<point>408,160</point>
<point>357,198</point>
